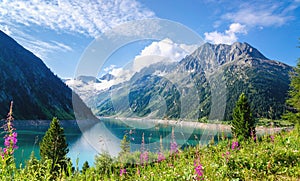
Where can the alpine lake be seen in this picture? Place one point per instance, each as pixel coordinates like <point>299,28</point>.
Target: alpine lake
<point>85,141</point>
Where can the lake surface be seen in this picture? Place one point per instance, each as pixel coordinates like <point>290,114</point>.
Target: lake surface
<point>87,140</point>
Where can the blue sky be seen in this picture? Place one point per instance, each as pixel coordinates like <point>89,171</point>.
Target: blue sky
<point>58,31</point>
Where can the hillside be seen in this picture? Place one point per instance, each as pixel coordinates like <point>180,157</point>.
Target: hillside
<point>37,93</point>
<point>243,69</point>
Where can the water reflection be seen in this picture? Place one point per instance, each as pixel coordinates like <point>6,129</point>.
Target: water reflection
<point>106,135</point>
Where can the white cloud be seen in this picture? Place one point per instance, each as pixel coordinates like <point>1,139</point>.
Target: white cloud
<point>262,14</point>
<point>108,69</point>
<point>228,37</point>
<point>164,50</point>
<point>62,46</point>
<point>84,17</point>
<point>236,28</point>
<point>5,29</point>
<point>42,48</point>
<point>159,51</point>
<point>249,15</point>
<point>121,74</point>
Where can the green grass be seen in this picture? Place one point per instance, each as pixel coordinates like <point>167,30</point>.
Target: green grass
<point>275,123</point>
<point>260,122</point>
<point>263,159</point>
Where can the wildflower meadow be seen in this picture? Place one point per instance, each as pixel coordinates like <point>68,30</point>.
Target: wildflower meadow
<point>267,157</point>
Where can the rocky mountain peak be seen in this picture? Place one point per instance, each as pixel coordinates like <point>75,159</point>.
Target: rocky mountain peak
<point>107,77</point>
<point>219,73</point>
<point>230,52</point>
<point>87,79</point>
<point>210,56</point>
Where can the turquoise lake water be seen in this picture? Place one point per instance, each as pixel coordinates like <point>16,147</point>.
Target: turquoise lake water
<point>85,142</point>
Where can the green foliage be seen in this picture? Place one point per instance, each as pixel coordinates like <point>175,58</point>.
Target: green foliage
<point>85,166</point>
<point>271,157</point>
<point>54,146</point>
<point>38,170</point>
<point>274,123</point>
<point>294,97</point>
<point>125,147</point>
<point>243,124</point>
<point>103,163</point>
<point>22,71</point>
<point>32,162</point>
<point>265,82</point>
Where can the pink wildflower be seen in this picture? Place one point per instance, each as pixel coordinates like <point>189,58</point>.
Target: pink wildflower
<point>122,171</point>
<point>199,170</point>
<point>160,157</point>
<point>235,145</point>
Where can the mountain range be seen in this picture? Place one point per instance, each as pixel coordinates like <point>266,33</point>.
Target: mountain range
<point>204,84</point>
<point>36,92</point>
<point>218,75</point>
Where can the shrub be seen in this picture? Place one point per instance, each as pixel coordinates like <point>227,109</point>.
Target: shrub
<point>103,163</point>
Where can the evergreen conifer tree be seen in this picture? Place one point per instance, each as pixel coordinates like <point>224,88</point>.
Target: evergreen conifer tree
<point>125,146</point>
<point>125,149</point>
<point>54,146</point>
<point>294,97</point>
<point>243,124</point>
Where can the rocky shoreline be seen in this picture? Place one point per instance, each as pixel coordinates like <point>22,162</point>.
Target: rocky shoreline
<point>193,124</point>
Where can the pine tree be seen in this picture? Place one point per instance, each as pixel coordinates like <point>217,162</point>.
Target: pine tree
<point>125,149</point>
<point>294,97</point>
<point>243,124</point>
<point>54,146</point>
<point>125,146</point>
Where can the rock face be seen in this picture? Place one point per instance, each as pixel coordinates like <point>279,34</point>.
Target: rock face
<point>243,69</point>
<point>37,93</point>
<point>210,57</point>
<point>219,73</point>
<point>107,77</point>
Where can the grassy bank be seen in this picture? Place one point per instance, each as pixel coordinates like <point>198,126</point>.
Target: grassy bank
<point>271,157</point>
